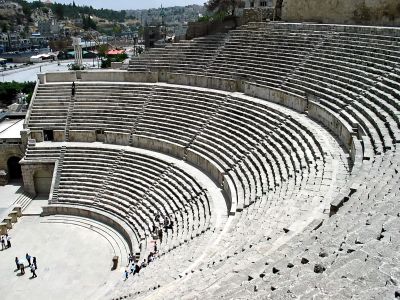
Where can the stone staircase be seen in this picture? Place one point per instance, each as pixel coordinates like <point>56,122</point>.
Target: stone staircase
<point>109,179</point>
<point>141,113</point>
<point>58,174</point>
<point>69,117</point>
<point>23,200</point>
<point>212,116</point>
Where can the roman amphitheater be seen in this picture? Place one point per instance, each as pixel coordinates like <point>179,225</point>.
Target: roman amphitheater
<point>272,149</point>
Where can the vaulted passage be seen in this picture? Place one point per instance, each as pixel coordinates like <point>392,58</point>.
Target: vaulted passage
<point>42,179</point>
<point>14,168</point>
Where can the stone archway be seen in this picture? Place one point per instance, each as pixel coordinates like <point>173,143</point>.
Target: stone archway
<point>14,168</point>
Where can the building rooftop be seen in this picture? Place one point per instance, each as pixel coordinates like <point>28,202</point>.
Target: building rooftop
<point>10,128</point>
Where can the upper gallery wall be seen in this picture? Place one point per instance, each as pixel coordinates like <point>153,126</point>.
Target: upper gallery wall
<point>364,12</point>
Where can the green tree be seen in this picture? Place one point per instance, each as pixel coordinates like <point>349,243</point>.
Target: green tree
<point>103,49</point>
<point>4,27</point>
<point>59,11</point>
<point>9,91</point>
<point>223,6</point>
<point>88,23</point>
<point>117,29</point>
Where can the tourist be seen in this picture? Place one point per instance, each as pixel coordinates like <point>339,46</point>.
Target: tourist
<point>166,222</point>
<point>33,271</point>
<point>130,258</point>
<point>141,245</point>
<point>28,259</point>
<point>73,88</point>
<point>171,223</point>
<point>144,264</point>
<point>137,269</point>
<point>17,262</point>
<point>34,262</point>
<point>150,257</point>
<point>160,234</point>
<point>133,268</point>
<point>3,243</point>
<point>157,217</point>
<point>126,274</point>
<point>22,268</point>
<point>8,238</point>
<point>155,247</point>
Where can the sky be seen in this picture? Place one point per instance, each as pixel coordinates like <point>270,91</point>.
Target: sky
<point>132,4</point>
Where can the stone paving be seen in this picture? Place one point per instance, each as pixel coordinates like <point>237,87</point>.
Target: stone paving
<point>30,73</point>
<point>74,260</point>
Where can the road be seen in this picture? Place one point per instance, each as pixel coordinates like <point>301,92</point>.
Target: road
<point>30,73</point>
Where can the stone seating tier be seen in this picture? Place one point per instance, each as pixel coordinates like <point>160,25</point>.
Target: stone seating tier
<point>348,72</point>
<point>132,186</point>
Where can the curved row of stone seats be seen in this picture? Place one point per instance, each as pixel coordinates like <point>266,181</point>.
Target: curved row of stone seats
<point>127,108</point>
<point>132,186</point>
<point>177,114</point>
<point>44,153</point>
<point>354,251</point>
<point>258,145</point>
<point>51,102</point>
<point>258,148</point>
<point>165,269</point>
<point>180,55</point>
<point>347,74</point>
<point>263,221</point>
<point>112,107</point>
<point>344,68</point>
<point>266,56</point>
<point>259,228</point>
<point>232,132</point>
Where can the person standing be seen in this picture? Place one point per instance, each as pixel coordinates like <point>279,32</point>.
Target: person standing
<point>160,235</point>
<point>34,262</point>
<point>8,238</point>
<point>3,243</point>
<point>17,262</point>
<point>28,259</point>
<point>144,264</point>
<point>73,88</point>
<point>137,269</point>
<point>33,270</point>
<point>22,268</point>
<point>126,274</point>
<point>133,268</point>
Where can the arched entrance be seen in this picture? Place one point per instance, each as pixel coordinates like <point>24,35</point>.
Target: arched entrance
<point>14,168</point>
<point>42,180</point>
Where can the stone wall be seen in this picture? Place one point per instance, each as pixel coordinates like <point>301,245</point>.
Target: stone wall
<point>100,216</point>
<point>197,29</point>
<point>28,173</point>
<point>111,75</point>
<point>6,151</point>
<point>257,14</point>
<point>9,150</point>
<point>365,12</point>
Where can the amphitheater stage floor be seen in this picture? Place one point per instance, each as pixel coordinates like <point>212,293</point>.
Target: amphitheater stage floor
<point>74,257</point>
<point>9,193</point>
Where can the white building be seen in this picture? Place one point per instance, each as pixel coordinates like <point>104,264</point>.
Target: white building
<point>259,3</point>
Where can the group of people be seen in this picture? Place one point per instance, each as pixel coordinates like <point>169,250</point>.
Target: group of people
<point>165,224</point>
<point>32,264</point>
<point>5,242</point>
<point>136,267</point>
